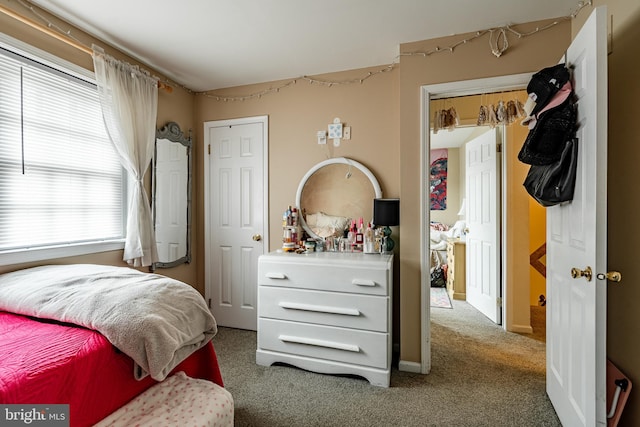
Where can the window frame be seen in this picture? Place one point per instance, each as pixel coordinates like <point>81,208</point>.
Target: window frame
<point>23,255</point>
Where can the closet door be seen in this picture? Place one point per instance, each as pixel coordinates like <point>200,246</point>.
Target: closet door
<point>235,217</point>
<point>577,239</point>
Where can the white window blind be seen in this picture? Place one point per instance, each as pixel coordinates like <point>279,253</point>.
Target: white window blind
<point>61,181</point>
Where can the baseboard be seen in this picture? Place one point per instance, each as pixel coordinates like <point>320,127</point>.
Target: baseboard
<point>409,366</point>
<point>521,329</point>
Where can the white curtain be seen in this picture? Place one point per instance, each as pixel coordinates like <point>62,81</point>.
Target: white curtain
<point>129,99</point>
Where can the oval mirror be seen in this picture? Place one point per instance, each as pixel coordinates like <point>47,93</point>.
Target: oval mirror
<point>172,196</point>
<point>334,192</point>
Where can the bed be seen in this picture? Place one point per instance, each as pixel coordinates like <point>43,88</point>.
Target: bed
<point>439,233</point>
<point>95,337</point>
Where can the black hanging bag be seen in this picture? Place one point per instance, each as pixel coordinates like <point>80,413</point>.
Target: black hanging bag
<point>554,183</point>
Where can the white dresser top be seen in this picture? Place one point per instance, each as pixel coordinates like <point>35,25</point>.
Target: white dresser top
<point>359,258</point>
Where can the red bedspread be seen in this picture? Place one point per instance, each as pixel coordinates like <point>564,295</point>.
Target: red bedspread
<point>44,362</point>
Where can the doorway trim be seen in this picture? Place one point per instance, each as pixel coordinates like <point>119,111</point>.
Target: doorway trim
<point>446,90</point>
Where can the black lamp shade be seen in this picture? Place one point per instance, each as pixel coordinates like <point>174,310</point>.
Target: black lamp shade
<point>386,211</point>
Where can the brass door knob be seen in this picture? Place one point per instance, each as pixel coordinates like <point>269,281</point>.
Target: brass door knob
<point>587,273</point>
<point>257,237</point>
<point>612,276</point>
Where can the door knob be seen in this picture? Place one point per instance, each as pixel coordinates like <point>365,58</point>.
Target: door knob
<point>586,273</point>
<point>257,237</point>
<point>612,276</point>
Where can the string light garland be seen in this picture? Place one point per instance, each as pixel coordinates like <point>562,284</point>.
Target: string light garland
<point>498,43</point>
<point>48,22</point>
<point>310,80</point>
<point>494,40</point>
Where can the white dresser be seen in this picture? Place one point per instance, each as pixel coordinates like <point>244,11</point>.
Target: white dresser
<point>326,312</point>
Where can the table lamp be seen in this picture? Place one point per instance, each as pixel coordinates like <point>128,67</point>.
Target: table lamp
<point>386,212</point>
<point>463,208</point>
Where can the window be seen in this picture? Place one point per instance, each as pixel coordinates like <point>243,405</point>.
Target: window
<point>61,182</point>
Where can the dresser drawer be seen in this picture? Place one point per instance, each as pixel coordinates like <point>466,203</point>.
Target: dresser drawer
<point>365,312</point>
<point>351,279</point>
<point>324,342</point>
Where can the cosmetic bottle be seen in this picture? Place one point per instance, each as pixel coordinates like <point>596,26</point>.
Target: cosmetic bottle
<point>369,240</point>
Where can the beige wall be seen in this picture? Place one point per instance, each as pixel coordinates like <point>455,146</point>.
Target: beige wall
<point>176,106</point>
<point>623,316</point>
<point>517,232</point>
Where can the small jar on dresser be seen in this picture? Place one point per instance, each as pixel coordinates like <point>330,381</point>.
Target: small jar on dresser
<point>456,269</point>
<point>327,312</point>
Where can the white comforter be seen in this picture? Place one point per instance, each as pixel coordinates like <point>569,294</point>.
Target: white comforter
<point>155,320</point>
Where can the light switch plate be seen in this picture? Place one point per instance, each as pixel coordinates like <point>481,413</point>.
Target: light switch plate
<point>346,133</point>
<point>322,137</point>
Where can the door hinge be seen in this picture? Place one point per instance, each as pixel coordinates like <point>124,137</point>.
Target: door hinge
<point>209,149</point>
<point>498,301</point>
<point>209,302</point>
<point>498,148</point>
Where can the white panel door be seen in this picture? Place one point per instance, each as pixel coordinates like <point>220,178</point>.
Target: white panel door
<point>483,222</point>
<point>577,238</point>
<point>235,219</point>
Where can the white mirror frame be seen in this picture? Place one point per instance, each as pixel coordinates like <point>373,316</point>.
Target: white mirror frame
<point>338,160</point>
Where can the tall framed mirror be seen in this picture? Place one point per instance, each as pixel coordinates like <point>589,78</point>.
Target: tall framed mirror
<point>334,192</point>
<point>171,202</point>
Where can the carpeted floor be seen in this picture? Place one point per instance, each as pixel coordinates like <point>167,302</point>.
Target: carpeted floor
<point>480,376</point>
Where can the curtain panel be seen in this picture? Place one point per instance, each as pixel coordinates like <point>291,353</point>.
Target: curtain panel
<point>129,100</point>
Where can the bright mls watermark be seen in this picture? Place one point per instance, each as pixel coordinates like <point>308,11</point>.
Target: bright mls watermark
<point>34,415</point>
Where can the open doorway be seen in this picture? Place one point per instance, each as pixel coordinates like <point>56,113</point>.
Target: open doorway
<point>514,256</point>
<point>449,258</point>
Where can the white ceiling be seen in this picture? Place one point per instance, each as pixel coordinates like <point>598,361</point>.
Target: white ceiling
<point>211,44</point>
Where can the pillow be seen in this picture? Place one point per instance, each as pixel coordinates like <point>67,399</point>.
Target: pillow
<point>327,225</point>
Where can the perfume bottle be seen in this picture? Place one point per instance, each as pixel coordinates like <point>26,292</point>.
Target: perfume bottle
<point>351,236</point>
<point>369,240</point>
<point>359,243</point>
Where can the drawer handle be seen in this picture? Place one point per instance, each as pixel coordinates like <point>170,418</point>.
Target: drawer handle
<point>279,276</point>
<point>320,308</point>
<point>320,343</point>
<point>363,282</point>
